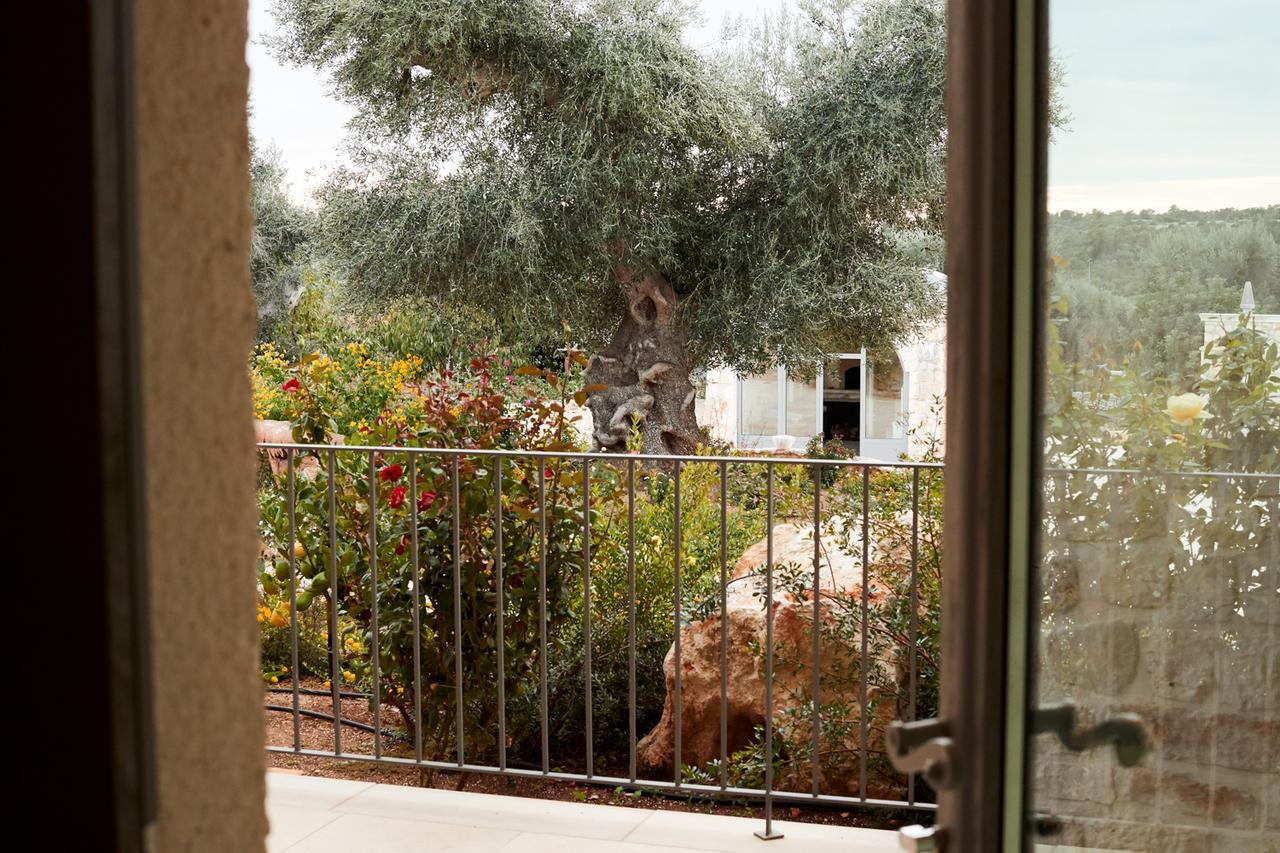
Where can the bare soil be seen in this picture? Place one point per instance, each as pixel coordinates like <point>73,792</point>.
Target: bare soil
<point>318,734</point>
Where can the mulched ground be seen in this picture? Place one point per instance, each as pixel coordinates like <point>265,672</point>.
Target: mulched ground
<point>318,734</point>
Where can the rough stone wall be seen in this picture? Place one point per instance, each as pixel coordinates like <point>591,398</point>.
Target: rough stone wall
<point>197,328</point>
<point>1196,655</point>
<point>925,362</point>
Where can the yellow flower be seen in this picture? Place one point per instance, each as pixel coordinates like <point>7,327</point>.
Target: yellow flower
<point>275,680</point>
<point>298,550</point>
<point>348,675</point>
<point>1185,408</point>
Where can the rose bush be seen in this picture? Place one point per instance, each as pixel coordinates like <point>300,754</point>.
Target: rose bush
<point>385,503</point>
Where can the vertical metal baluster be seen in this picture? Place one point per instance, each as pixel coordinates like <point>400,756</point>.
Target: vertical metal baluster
<point>675,523</point>
<point>335,644</point>
<point>915,557</point>
<point>631,616</point>
<point>586,605</point>
<point>500,606</point>
<point>416,592</point>
<point>542,613</point>
<point>817,615</point>
<point>768,834</point>
<point>293,597</point>
<point>457,614</point>
<point>373,604</point>
<point>724,627</point>
<point>862,661</point>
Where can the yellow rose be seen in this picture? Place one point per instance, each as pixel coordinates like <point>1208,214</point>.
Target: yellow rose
<point>298,550</point>
<point>1185,408</point>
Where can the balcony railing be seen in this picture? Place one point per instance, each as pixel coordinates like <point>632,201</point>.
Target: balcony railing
<point>442,573</point>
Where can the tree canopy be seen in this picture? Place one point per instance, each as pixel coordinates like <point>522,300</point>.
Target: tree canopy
<point>282,235</point>
<point>570,162</point>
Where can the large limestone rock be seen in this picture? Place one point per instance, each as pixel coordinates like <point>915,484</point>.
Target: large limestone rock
<point>744,625</point>
<point>306,465</point>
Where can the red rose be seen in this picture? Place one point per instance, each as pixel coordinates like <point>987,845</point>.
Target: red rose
<point>398,496</point>
<point>391,472</point>
<point>402,544</point>
<point>425,500</point>
<point>291,386</point>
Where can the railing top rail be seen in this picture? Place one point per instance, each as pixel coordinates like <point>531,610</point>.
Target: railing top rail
<point>1138,472</point>
<point>735,460</point>
<point>578,454</point>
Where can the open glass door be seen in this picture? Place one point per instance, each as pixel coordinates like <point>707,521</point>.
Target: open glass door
<point>1155,602</point>
<point>1111,600</point>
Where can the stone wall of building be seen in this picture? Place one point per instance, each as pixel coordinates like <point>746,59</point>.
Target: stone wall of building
<point>1196,655</point>
<point>925,362</point>
<point>1216,325</point>
<point>718,410</point>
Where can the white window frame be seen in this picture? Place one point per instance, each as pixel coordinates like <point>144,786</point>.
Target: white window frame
<point>742,439</point>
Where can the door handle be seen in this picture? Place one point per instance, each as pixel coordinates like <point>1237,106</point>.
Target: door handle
<point>1125,731</point>
<point>924,747</point>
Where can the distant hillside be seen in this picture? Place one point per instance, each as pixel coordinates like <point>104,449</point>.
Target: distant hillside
<point>1146,276</point>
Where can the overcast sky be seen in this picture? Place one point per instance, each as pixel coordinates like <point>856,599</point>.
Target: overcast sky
<point>1170,102</point>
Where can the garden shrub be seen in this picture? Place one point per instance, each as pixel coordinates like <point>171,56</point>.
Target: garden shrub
<point>277,642</point>
<point>654,602</point>
<point>477,412</point>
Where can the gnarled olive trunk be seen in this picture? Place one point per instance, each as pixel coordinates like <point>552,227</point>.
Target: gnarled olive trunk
<point>644,372</point>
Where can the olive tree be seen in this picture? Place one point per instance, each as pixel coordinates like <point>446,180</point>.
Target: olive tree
<point>282,232</point>
<point>577,163</point>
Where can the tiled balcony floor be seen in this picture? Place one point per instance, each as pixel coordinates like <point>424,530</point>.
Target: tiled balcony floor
<point>323,815</point>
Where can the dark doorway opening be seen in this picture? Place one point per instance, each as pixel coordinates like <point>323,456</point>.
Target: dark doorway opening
<point>842,402</point>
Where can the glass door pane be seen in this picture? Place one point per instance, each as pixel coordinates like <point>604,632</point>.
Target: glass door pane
<point>802,410</point>
<point>1158,604</point>
<point>759,409</point>
<point>886,427</point>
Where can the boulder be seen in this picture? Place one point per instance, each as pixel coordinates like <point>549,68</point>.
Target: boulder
<point>744,625</point>
<point>306,465</point>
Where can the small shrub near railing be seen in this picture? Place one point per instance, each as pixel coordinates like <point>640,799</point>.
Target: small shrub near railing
<point>478,412</point>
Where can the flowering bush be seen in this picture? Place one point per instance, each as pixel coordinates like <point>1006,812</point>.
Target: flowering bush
<point>277,640</point>
<point>332,394</point>
<point>1116,416</point>
<point>378,496</point>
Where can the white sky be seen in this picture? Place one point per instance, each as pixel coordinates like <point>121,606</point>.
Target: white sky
<point>1171,102</point>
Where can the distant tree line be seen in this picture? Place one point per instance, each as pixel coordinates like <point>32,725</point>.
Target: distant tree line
<point>1144,278</point>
